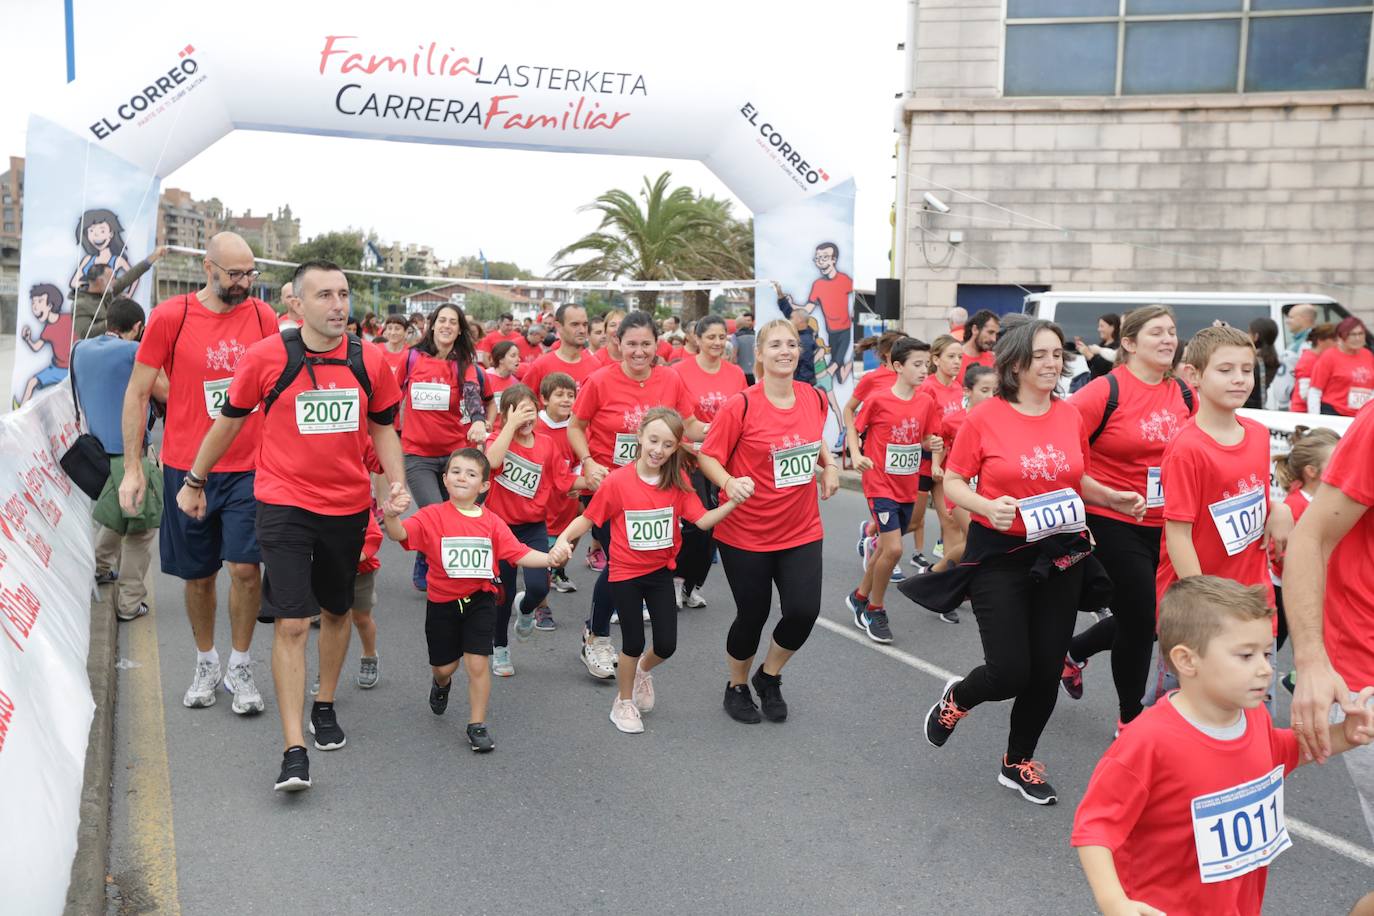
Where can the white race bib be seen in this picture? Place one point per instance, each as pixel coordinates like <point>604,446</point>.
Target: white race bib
<point>649,529</point>
<point>467,558</point>
<point>1358,397</point>
<point>626,448</point>
<point>520,475</point>
<point>1060,512</point>
<point>430,395</point>
<point>331,410</point>
<point>902,460</point>
<point>1240,519</point>
<point>796,466</point>
<point>1240,829</point>
<point>1154,489</point>
<point>216,396</point>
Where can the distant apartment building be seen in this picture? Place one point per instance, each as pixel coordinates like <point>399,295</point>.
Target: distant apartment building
<point>186,222</point>
<point>1135,144</point>
<point>272,236</point>
<point>420,258</point>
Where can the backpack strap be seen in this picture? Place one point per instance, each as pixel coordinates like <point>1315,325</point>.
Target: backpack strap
<point>295,359</point>
<point>185,313</point>
<point>1187,395</point>
<point>357,366</point>
<point>411,356</point>
<point>1113,402</point>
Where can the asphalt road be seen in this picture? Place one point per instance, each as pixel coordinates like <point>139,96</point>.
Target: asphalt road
<point>843,809</point>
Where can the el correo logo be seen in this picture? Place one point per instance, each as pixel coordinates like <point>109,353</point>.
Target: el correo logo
<point>161,88</point>
<point>789,156</point>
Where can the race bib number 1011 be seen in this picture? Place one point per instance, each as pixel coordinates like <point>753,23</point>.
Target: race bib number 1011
<point>1240,829</point>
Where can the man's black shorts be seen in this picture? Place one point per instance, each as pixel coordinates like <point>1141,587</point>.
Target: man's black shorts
<point>453,628</point>
<point>309,560</point>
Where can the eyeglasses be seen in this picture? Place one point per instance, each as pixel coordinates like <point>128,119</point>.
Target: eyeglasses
<point>237,275</point>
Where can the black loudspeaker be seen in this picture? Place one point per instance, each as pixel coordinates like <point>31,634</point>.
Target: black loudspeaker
<point>888,299</point>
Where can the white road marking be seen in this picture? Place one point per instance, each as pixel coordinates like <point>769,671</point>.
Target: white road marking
<point>1330,841</point>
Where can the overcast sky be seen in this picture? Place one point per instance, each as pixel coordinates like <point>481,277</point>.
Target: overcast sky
<point>840,60</point>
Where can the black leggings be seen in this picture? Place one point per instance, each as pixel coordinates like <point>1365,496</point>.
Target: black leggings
<point>656,591</point>
<point>752,574</point>
<point>603,603</point>
<point>1130,554</point>
<point>1025,627</point>
<point>694,557</point>
<point>535,536</point>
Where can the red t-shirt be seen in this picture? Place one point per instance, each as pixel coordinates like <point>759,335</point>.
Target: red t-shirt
<point>986,358</point>
<point>529,352</point>
<point>495,337</point>
<point>497,384</point>
<point>436,423</point>
<point>949,399</point>
<point>562,507</point>
<point>1346,380</point>
<point>645,522</point>
<point>753,438</point>
<point>664,349</point>
<point>1349,605</point>
<point>1302,380</point>
<point>1128,454</point>
<point>613,404</point>
<point>833,295</point>
<point>476,560</point>
<point>371,544</point>
<point>604,357</point>
<point>677,354</point>
<point>551,362</point>
<point>396,361</point>
<point>209,346</point>
<point>1015,455</point>
<point>59,335</point>
<point>1297,501</point>
<point>1206,483</point>
<point>710,390</point>
<point>869,382</point>
<point>310,456</point>
<point>892,431</point>
<point>1140,801</point>
<point>524,483</point>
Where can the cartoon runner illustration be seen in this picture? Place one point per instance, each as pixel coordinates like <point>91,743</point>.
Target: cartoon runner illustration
<point>101,237</point>
<point>831,293</point>
<point>45,301</point>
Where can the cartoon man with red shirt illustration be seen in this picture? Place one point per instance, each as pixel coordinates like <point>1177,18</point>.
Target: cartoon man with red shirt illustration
<point>45,301</point>
<point>831,293</point>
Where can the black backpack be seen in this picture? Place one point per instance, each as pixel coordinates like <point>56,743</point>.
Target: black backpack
<point>297,358</point>
<point>1114,401</point>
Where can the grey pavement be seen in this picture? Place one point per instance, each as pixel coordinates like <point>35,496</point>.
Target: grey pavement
<point>842,809</point>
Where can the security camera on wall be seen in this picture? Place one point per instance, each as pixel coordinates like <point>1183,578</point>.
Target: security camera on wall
<point>935,203</point>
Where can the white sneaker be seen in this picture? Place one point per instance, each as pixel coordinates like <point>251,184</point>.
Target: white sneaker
<point>625,716</point>
<point>597,655</point>
<point>524,623</point>
<point>201,693</point>
<point>692,599</point>
<point>678,591</point>
<point>644,690</point>
<point>500,662</point>
<point>238,680</point>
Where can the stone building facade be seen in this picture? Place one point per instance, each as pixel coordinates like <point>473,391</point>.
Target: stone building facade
<point>1235,190</point>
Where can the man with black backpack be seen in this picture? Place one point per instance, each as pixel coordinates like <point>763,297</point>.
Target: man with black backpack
<point>196,340</point>
<point>319,390</point>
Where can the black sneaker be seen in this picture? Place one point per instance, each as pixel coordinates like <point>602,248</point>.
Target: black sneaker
<point>1028,778</point>
<point>480,738</point>
<point>438,696</point>
<point>769,689</point>
<point>856,607</point>
<point>295,771</point>
<point>943,716</point>
<point>875,625</point>
<point>739,704</point>
<point>921,562</point>
<point>324,725</point>
<point>949,617</point>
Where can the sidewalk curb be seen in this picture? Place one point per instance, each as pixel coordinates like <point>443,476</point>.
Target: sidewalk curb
<point>851,480</point>
<point>86,889</point>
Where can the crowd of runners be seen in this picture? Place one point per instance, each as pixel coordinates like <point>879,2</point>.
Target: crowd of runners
<point>294,446</point>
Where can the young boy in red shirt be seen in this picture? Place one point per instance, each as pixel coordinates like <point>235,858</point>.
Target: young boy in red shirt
<point>1185,811</point>
<point>464,545</point>
<point>558,391</point>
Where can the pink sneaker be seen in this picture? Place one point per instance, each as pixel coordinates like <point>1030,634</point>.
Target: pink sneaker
<point>625,716</point>
<point>644,690</point>
<point>596,558</point>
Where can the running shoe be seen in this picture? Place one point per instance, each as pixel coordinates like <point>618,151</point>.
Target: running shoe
<point>691,598</point>
<point>943,716</point>
<point>500,662</point>
<point>108,577</point>
<point>324,725</point>
<point>862,546</point>
<point>596,558</point>
<point>1071,678</point>
<point>419,573</point>
<point>134,614</point>
<point>201,693</point>
<point>769,689</point>
<point>561,582</point>
<point>1289,681</point>
<point>369,671</point>
<point>919,559</point>
<point>543,619</point>
<point>438,696</point>
<point>866,548</point>
<point>524,623</point>
<point>644,690</point>
<point>238,680</point>
<point>625,716</point>
<point>295,771</point>
<point>1028,778</point>
<point>938,551</point>
<point>1102,613</point>
<point>858,607</point>
<point>596,653</point>
<point>949,616</point>
<point>898,575</point>
<point>479,738</point>
<point>876,626</point>
<point>739,704</point>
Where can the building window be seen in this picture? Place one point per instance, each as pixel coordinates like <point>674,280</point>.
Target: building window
<point>1153,47</point>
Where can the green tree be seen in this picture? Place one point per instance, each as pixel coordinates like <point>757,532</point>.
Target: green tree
<point>484,306</point>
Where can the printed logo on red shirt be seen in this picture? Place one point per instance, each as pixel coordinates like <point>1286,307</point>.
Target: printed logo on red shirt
<point>1244,486</point>
<point>788,442</point>
<point>225,357</point>
<point>634,416</point>
<point>1361,376</point>
<point>908,432</point>
<point>1044,463</point>
<point>1159,426</point>
<point>710,403</point>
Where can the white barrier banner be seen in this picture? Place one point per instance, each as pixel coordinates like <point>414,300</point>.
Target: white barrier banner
<point>47,569</point>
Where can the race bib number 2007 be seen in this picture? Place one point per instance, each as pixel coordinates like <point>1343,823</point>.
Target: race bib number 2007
<point>796,466</point>
<point>649,529</point>
<point>331,410</point>
<point>467,558</point>
<point>1240,829</point>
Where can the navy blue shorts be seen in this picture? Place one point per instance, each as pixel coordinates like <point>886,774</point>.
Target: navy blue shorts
<point>890,515</point>
<point>193,549</point>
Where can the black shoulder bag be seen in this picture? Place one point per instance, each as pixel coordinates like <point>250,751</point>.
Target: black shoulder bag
<point>86,462</point>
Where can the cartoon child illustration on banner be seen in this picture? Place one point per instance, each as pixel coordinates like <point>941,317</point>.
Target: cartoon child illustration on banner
<point>830,293</point>
<point>101,237</point>
<point>55,332</point>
